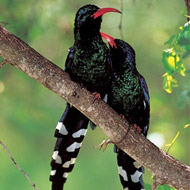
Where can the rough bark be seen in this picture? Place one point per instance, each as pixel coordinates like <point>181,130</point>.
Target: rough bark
<point>165,169</point>
<point>187,3</point>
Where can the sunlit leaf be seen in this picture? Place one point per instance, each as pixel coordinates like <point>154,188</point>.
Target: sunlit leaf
<point>188,16</point>
<point>172,61</point>
<point>181,68</point>
<point>169,83</point>
<point>168,60</point>
<point>187,125</point>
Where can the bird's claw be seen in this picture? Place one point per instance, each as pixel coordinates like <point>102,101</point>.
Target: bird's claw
<point>138,128</point>
<point>97,96</point>
<point>122,116</point>
<point>103,145</point>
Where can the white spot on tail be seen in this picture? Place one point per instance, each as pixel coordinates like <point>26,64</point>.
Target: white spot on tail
<point>65,175</point>
<point>123,173</point>
<point>62,129</point>
<point>145,129</point>
<point>144,105</point>
<point>126,188</point>
<point>56,157</point>
<point>58,160</point>
<point>136,176</point>
<point>105,98</point>
<point>68,163</point>
<point>55,153</point>
<point>73,160</point>
<point>73,146</point>
<point>81,132</point>
<point>53,172</point>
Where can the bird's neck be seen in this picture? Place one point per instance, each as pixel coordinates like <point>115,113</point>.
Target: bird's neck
<point>85,41</point>
<point>124,69</point>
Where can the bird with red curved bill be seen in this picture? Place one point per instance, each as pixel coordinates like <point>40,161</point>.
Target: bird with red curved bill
<point>129,97</point>
<point>88,63</point>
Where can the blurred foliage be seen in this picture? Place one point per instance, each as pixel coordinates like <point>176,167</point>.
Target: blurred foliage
<point>29,112</point>
<point>173,58</point>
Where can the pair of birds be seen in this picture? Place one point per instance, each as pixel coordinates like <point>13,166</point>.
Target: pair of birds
<point>102,70</point>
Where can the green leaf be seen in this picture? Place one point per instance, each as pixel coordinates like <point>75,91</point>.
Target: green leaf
<point>168,60</point>
<point>169,83</point>
<point>180,68</point>
<point>183,38</point>
<point>172,61</point>
<point>187,125</point>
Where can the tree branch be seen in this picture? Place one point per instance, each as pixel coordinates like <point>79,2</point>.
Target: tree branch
<point>165,169</point>
<point>15,163</point>
<point>187,3</point>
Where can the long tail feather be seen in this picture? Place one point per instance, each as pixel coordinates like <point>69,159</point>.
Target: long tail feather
<point>70,132</point>
<point>130,172</point>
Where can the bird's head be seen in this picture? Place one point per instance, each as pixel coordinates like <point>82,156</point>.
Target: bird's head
<point>88,20</point>
<point>122,54</point>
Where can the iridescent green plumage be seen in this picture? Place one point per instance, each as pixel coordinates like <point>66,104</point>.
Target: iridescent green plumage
<point>89,60</point>
<point>128,93</point>
<point>90,66</point>
<point>88,63</point>
<point>129,97</point>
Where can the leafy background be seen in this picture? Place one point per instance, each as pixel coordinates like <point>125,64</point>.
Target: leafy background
<point>29,112</point>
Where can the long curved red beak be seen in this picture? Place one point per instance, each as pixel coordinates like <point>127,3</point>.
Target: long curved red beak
<point>103,11</point>
<point>109,39</point>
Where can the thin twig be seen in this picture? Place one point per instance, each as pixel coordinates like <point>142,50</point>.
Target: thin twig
<point>121,19</point>
<point>15,163</point>
<point>2,63</point>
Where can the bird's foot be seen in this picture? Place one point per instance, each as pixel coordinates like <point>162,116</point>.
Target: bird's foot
<point>137,127</point>
<point>122,116</point>
<point>97,96</point>
<point>103,145</point>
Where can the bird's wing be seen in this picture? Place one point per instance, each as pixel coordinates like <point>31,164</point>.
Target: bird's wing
<point>145,89</point>
<point>69,60</point>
